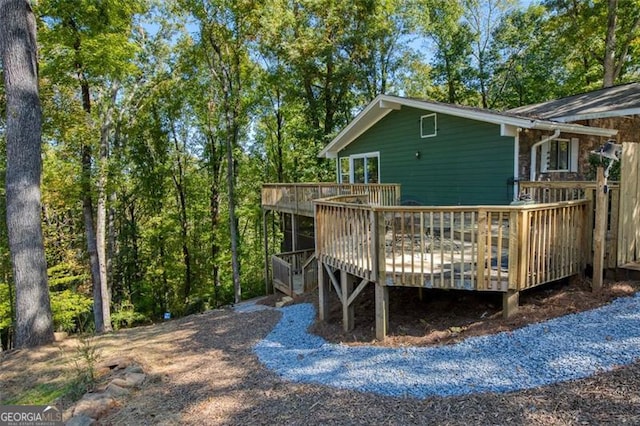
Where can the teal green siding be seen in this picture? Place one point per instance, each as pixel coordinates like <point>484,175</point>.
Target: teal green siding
<point>467,163</point>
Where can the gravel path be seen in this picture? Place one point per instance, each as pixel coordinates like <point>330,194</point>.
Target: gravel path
<point>571,347</point>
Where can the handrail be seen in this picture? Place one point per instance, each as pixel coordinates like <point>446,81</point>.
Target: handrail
<point>495,248</point>
<point>298,198</point>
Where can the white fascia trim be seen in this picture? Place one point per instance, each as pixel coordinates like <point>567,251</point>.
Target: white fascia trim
<point>594,115</point>
<point>574,128</point>
<point>351,131</point>
<point>507,130</point>
<point>386,103</point>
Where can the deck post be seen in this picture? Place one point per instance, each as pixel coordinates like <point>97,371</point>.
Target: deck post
<point>348,309</point>
<point>267,282</point>
<point>600,231</point>
<point>382,311</point>
<point>510,303</point>
<point>294,232</point>
<point>323,292</point>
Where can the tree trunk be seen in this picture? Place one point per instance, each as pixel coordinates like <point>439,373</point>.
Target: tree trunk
<point>24,166</point>
<point>101,224</point>
<point>179,183</point>
<point>233,222</point>
<point>90,235</point>
<point>610,45</point>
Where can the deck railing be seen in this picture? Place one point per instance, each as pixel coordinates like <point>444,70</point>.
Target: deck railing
<point>496,248</point>
<point>286,266</point>
<point>551,192</point>
<point>297,198</point>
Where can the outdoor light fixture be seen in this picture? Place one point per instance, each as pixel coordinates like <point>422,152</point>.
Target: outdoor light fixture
<point>613,152</point>
<point>418,155</point>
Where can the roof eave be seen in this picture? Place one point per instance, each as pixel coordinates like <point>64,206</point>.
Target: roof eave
<point>573,128</point>
<point>596,115</point>
<point>384,104</point>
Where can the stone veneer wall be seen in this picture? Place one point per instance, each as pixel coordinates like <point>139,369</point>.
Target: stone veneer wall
<point>628,131</point>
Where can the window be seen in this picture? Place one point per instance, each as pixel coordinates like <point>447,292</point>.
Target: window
<point>360,168</point>
<point>344,170</point>
<point>428,126</point>
<point>560,155</point>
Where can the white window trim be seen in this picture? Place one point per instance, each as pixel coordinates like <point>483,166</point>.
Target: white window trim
<point>339,168</point>
<point>352,157</point>
<point>435,126</point>
<point>574,144</point>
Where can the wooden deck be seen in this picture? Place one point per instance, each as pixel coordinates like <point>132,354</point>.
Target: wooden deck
<point>494,248</point>
<point>480,248</point>
<point>298,198</point>
<point>362,236</point>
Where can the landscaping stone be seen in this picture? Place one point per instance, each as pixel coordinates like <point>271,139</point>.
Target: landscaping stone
<point>94,405</point>
<point>136,379</point>
<point>80,420</point>
<point>134,369</point>
<point>119,363</point>
<point>284,301</point>
<point>116,391</point>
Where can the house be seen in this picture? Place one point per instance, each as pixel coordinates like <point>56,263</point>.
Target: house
<point>444,154</point>
<point>615,107</point>
<point>424,198</point>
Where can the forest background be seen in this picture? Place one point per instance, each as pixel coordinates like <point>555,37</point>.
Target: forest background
<point>163,118</point>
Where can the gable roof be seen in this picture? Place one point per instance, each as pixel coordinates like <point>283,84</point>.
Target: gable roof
<point>509,122</point>
<point>608,102</point>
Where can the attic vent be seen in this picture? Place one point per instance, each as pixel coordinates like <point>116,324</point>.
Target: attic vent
<point>428,126</point>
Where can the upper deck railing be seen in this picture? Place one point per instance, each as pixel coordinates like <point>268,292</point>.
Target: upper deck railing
<point>297,198</point>
<point>551,192</point>
<point>496,248</point>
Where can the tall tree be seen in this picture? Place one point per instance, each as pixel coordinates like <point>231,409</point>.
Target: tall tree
<point>24,166</point>
<point>620,38</point>
<point>88,45</point>
<point>484,17</point>
<point>441,22</point>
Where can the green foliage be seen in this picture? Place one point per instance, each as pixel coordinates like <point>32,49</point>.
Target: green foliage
<point>45,393</point>
<point>273,82</point>
<point>5,307</point>
<point>596,161</point>
<point>86,362</point>
<point>69,310</point>
<point>125,316</point>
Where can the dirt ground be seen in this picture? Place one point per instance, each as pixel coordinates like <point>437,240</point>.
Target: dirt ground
<point>202,370</point>
<point>445,317</point>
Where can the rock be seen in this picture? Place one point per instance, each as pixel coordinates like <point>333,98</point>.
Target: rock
<point>136,379</point>
<point>134,369</point>
<point>115,390</point>
<point>284,301</point>
<point>121,382</point>
<point>94,405</point>
<point>119,363</point>
<point>59,336</point>
<point>80,420</point>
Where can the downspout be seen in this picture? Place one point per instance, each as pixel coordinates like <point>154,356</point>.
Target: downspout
<point>516,165</point>
<point>532,171</point>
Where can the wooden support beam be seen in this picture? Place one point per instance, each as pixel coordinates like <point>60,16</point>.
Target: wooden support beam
<point>357,291</point>
<point>334,281</point>
<point>348,310</point>
<point>382,311</point>
<point>323,292</point>
<point>510,303</point>
<point>600,231</point>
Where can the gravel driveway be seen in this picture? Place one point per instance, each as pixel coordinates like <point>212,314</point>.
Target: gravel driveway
<point>566,348</point>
